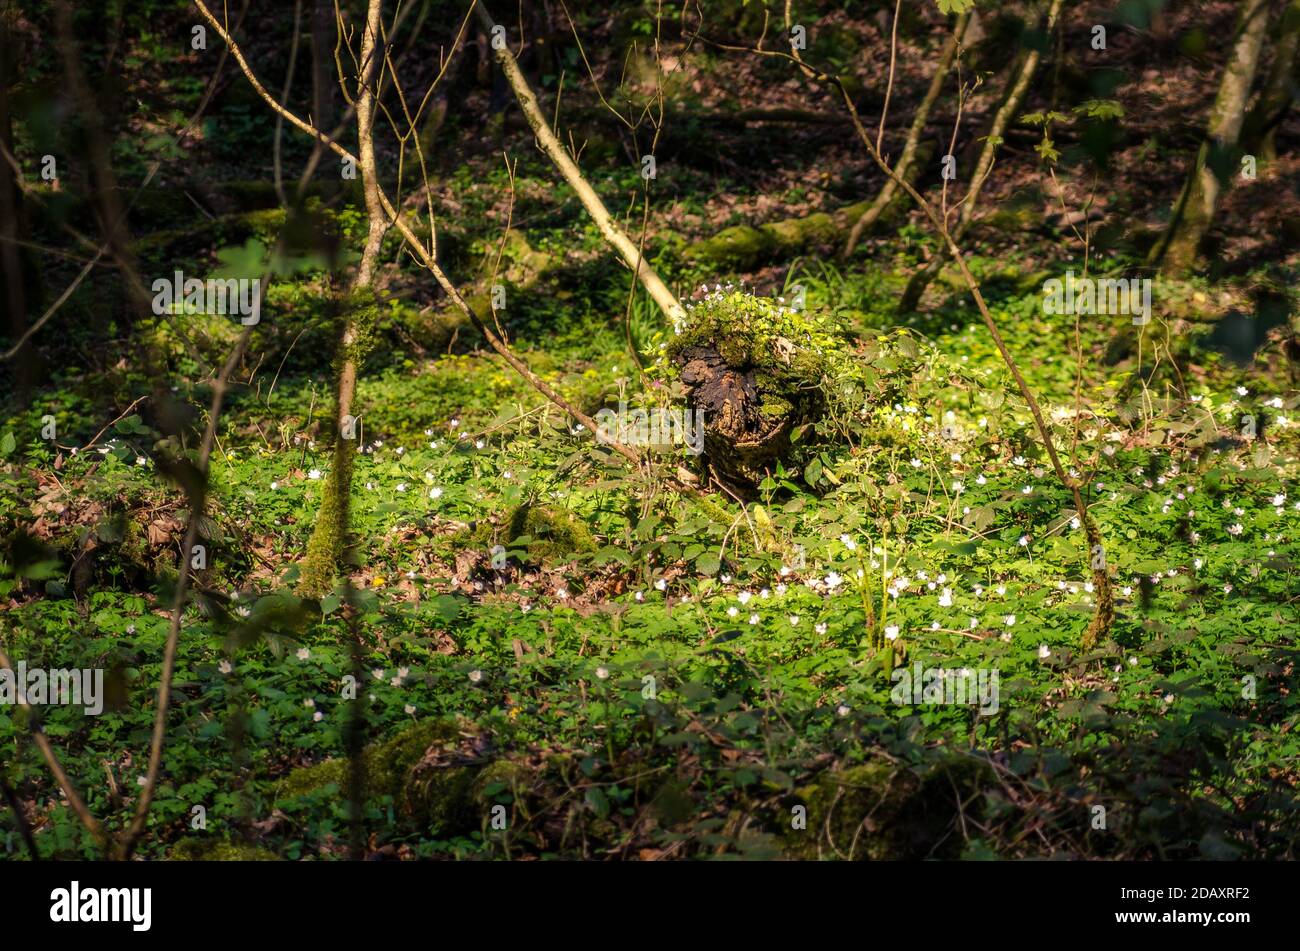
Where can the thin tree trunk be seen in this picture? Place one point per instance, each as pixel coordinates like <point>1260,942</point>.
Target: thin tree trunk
<point>284,97</point>
<point>614,235</point>
<point>11,265</point>
<point>1010,108</point>
<point>327,538</point>
<point>113,221</point>
<point>322,63</point>
<point>1279,89</point>
<point>1194,212</point>
<point>905,168</point>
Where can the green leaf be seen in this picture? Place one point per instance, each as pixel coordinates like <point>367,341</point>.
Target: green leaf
<point>708,564</point>
<point>1100,109</point>
<point>245,262</point>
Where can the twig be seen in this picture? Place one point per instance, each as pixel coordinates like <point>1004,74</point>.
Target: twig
<point>52,761</point>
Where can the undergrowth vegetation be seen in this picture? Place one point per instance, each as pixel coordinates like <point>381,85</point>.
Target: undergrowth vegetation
<point>536,649</point>
<point>629,672</point>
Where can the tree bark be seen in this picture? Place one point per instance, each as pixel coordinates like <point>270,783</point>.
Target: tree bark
<point>327,538</point>
<point>1279,89</point>
<point>1194,211</point>
<point>322,64</point>
<point>12,272</point>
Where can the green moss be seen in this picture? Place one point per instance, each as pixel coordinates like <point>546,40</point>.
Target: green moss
<point>520,262</point>
<point>453,800</point>
<point>325,546</point>
<point>436,797</point>
<point>739,248</point>
<point>441,799</point>
<point>556,532</point>
<point>799,234</point>
<point>513,775</point>
<point>895,812</point>
<point>839,803</point>
<point>199,849</point>
<point>424,770</point>
<point>310,779</point>
<point>743,247</point>
<point>796,359</point>
<point>386,764</point>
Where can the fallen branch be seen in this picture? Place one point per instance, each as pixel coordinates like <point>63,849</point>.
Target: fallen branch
<point>556,152</point>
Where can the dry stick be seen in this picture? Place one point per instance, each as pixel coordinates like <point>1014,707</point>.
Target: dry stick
<point>78,805</point>
<point>889,83</point>
<point>104,248</point>
<point>425,255</point>
<point>197,500</point>
<point>324,546</point>
<point>869,217</point>
<point>60,301</point>
<point>284,97</point>
<point>128,273</point>
<point>657,122</point>
<point>1105,604</point>
<point>20,820</point>
<point>132,834</point>
<point>428,257</point>
<point>43,744</point>
<point>197,503</point>
<point>984,167</point>
<point>1006,113</point>
<point>555,151</point>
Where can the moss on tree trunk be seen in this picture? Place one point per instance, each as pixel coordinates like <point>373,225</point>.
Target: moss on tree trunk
<point>1194,211</point>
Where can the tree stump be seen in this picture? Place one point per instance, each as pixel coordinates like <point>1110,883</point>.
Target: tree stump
<point>742,443</point>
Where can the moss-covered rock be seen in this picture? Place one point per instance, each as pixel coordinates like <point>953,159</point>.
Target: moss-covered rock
<point>852,813</point>
<point>801,233</point>
<point>200,849</point>
<point>447,799</point>
<point>431,771</point>
<point>386,764</point>
<point>881,811</point>
<point>437,774</point>
<point>735,249</point>
<point>743,248</point>
<point>555,532</point>
<point>504,776</point>
<point>440,798</point>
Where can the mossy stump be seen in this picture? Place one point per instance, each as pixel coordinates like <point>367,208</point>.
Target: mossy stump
<point>431,771</point>
<point>757,370</point>
<point>200,849</point>
<point>741,441</point>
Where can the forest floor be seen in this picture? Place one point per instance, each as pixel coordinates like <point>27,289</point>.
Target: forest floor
<point>629,670</point>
